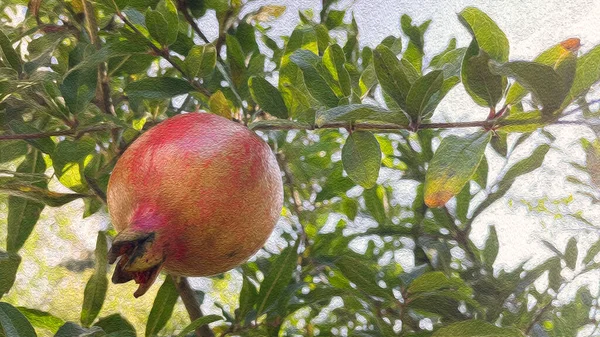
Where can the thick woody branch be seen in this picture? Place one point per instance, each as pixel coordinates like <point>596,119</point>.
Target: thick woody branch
<point>191,304</point>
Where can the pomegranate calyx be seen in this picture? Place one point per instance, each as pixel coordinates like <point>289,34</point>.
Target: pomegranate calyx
<point>140,259</point>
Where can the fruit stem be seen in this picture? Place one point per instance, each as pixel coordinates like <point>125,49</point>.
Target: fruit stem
<point>191,304</point>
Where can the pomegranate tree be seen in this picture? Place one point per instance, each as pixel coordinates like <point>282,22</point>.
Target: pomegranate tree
<point>196,195</point>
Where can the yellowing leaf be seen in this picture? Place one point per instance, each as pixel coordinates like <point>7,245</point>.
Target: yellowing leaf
<point>452,166</point>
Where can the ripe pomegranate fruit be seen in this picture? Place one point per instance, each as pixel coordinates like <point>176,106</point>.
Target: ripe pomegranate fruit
<point>196,195</point>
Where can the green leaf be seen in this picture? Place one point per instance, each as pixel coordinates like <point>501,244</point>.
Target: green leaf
<point>334,60</point>
<point>450,63</point>
<point>158,88</point>
<point>11,150</point>
<point>361,156</point>
<point>303,37</point>
<point>393,43</point>
<point>23,214</point>
<point>586,74</point>
<point>169,12</point>
<point>70,329</point>
<point>359,112</point>
<point>68,160</point>
<point>475,328</point>
<point>157,26</point>
<point>374,203</point>
<point>14,323</point>
<point>198,323</point>
<point>162,308</point>
<point>115,323</point>
<point>452,166</point>
<point>42,319</point>
<point>278,124</point>
<point>9,264</point>
<point>315,77</point>
<point>277,278</point>
<point>437,281</point>
<point>268,97</point>
<point>362,275</point>
<point>201,60</point>
<point>235,59</point>
<point>79,88</point>
<point>490,252</point>
<point>95,289</point>
<point>248,298</point>
<point>526,165</point>
<point>591,253</point>
<point>421,92</point>
<point>484,87</point>
<point>9,53</point>
<point>571,253</point>
<point>44,144</point>
<point>489,36</point>
<point>562,60</point>
<point>540,79</point>
<point>414,56</point>
<point>219,105</point>
<point>391,75</point>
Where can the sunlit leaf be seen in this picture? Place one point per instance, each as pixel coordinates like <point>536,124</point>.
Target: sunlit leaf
<point>162,308</point>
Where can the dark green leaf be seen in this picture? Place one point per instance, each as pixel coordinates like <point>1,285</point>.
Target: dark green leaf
<point>201,60</point>
<point>360,112</point>
<point>490,252</point>
<point>361,156</point>
<point>169,11</point>
<point>79,88</point>
<point>278,124</point>
<point>23,214</point>
<point>374,203</point>
<point>268,97</point>
<point>158,88</point>
<point>9,53</point>
<point>42,319</point>
<point>540,79</point>
<point>95,289</point>
<point>9,263</point>
<point>391,75</point>
<point>162,308</point>
<point>315,77</point>
<point>198,323</point>
<point>452,166</point>
<point>362,275</point>
<point>115,323</point>
<point>11,150</point>
<point>489,36</point>
<point>277,278</point>
<point>476,328</point>
<point>14,323</point>
<point>571,253</point>
<point>421,92</point>
<point>484,87</point>
<point>248,298</point>
<point>70,329</point>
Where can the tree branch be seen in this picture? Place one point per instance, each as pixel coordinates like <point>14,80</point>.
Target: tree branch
<point>164,53</point>
<point>191,304</point>
<point>186,13</point>
<point>380,128</point>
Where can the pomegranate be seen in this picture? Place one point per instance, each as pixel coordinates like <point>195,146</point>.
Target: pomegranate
<point>196,195</point>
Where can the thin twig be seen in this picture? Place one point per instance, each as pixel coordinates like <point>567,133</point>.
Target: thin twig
<point>69,132</point>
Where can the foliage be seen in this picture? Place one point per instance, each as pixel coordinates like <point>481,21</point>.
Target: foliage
<point>81,79</point>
